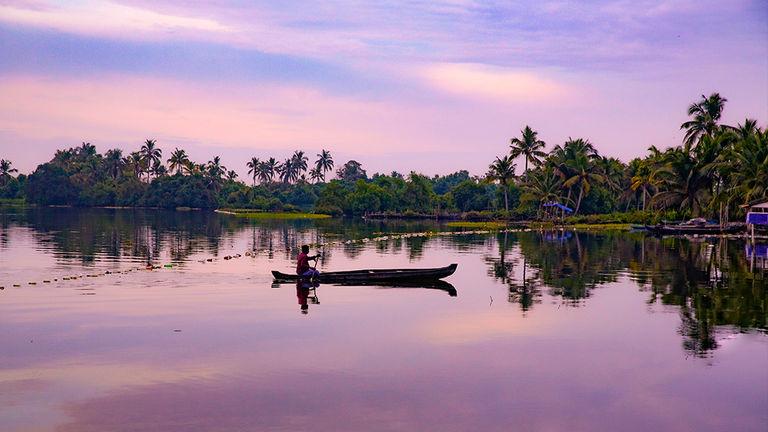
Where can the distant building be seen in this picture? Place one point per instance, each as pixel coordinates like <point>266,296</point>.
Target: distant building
<point>758,214</point>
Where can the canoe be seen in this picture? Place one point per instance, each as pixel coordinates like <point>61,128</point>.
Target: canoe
<point>376,275</point>
<point>697,229</point>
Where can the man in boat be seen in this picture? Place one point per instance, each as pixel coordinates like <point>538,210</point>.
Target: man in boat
<point>302,264</point>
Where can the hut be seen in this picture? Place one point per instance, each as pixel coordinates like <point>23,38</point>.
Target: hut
<point>757,217</point>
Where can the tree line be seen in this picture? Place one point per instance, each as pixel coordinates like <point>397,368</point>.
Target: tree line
<point>716,168</point>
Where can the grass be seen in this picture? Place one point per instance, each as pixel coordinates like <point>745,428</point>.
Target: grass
<point>477,225</point>
<point>602,227</point>
<point>584,226</point>
<point>12,201</point>
<point>282,216</point>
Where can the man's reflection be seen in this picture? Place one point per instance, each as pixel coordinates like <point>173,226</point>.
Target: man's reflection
<point>306,294</point>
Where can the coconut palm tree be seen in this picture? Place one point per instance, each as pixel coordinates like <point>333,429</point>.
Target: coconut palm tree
<point>86,150</point>
<point>683,182</point>
<point>583,173</point>
<point>747,160</point>
<point>231,176</point>
<point>6,171</point>
<point>253,168</point>
<point>529,146</point>
<point>151,155</point>
<point>299,162</point>
<point>179,161</point>
<point>324,162</point>
<point>267,170</point>
<point>214,171</point>
<point>286,171</point>
<point>706,113</point>
<point>503,170</point>
<point>135,163</point>
<point>542,186</point>
<point>316,175</point>
<point>114,163</point>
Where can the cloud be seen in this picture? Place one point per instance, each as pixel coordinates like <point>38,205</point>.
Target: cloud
<point>107,19</point>
<point>491,82</point>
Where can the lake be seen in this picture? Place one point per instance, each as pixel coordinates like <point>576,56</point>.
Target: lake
<point>535,331</point>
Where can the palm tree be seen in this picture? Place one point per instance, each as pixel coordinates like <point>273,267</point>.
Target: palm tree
<point>287,171</point>
<point>324,162</point>
<point>503,170</point>
<point>114,163</point>
<point>543,186</point>
<point>299,162</point>
<point>643,180</point>
<point>179,161</point>
<point>583,172</point>
<point>748,163</point>
<point>6,170</point>
<point>86,150</point>
<point>136,163</point>
<point>267,170</point>
<point>231,175</point>
<point>706,113</point>
<point>683,183</point>
<point>215,171</point>
<point>253,168</point>
<point>151,155</point>
<point>528,146</point>
<point>316,174</point>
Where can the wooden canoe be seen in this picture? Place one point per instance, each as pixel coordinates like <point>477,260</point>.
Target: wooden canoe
<point>697,229</point>
<point>375,275</point>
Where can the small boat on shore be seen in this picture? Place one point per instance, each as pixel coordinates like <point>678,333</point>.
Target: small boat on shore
<point>375,275</point>
<point>696,226</point>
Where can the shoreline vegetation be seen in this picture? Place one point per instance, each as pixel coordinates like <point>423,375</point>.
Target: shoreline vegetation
<point>716,170</point>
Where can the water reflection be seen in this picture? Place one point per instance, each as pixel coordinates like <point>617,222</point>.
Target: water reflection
<point>306,290</point>
<point>208,346</point>
<point>714,287</point>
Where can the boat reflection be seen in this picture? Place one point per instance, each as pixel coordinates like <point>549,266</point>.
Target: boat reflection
<point>306,290</point>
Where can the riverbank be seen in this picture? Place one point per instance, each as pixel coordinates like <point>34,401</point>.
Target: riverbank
<point>252,214</point>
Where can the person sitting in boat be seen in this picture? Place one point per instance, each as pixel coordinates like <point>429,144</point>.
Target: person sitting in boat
<point>302,264</point>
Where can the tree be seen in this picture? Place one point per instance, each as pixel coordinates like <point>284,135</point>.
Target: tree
<point>583,174</point>
<point>316,175</point>
<point>253,168</point>
<point>542,186</point>
<point>114,163</point>
<point>286,171</point>
<point>529,146</point>
<point>267,170</point>
<point>324,163</point>
<point>150,155</point>
<point>352,171</point>
<point>503,170</point>
<point>179,161</point>
<point>6,171</point>
<point>706,113</point>
<point>683,183</point>
<point>299,163</point>
<point>231,175</point>
<point>215,171</point>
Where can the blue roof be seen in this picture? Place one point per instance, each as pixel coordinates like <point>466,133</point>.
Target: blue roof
<point>558,205</point>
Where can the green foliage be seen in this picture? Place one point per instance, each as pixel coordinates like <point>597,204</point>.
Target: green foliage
<point>715,170</point>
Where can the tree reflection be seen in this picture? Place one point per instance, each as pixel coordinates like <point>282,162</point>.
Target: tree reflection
<point>709,281</point>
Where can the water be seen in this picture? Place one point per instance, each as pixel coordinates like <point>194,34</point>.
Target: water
<point>547,331</point>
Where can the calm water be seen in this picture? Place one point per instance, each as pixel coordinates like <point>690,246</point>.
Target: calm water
<point>546,331</point>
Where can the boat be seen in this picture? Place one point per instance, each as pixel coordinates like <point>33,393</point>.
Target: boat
<point>696,226</point>
<point>373,276</point>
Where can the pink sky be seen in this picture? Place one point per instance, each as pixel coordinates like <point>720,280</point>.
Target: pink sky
<point>432,88</point>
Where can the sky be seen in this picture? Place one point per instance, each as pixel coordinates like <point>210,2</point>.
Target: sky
<point>433,87</point>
